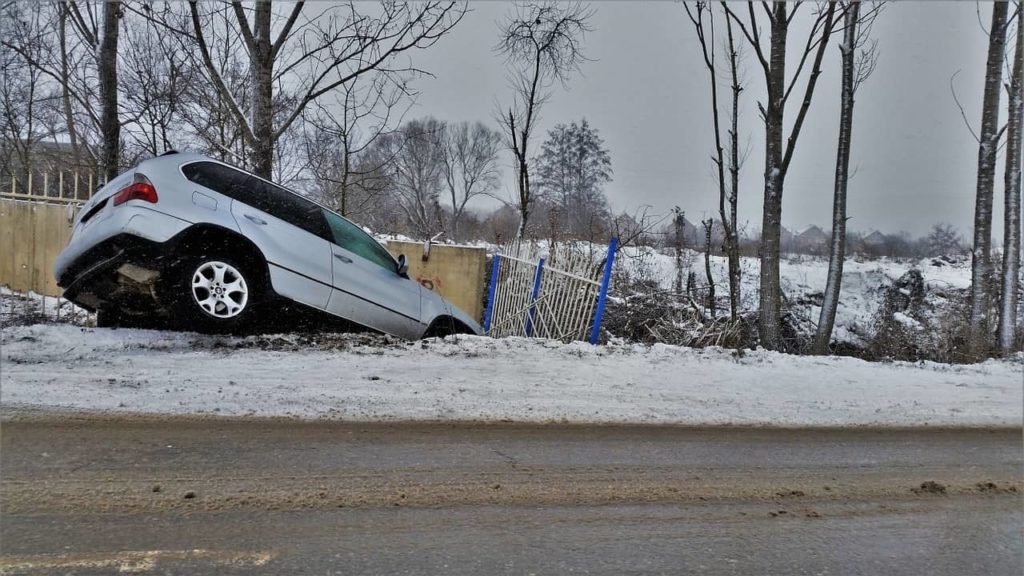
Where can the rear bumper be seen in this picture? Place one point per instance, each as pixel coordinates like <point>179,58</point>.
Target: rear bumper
<point>93,279</point>
<point>130,220</point>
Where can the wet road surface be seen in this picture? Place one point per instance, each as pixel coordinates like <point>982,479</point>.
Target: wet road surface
<point>90,495</point>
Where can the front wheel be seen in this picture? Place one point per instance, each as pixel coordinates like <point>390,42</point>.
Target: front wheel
<point>215,294</point>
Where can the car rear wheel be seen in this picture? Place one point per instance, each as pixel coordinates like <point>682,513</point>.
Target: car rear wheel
<point>215,294</point>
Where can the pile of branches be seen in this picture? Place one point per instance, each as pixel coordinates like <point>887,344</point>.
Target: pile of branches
<point>649,315</point>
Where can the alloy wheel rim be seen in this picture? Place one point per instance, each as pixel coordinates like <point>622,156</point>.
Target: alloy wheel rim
<point>219,289</point>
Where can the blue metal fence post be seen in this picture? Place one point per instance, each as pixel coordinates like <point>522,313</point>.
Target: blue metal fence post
<point>491,290</point>
<point>533,297</point>
<point>603,294</point>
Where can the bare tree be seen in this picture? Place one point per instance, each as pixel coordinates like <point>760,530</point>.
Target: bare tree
<point>152,84</point>
<point>1011,215</point>
<point>72,64</point>
<point>371,198</point>
<point>97,36</point>
<point>23,95</point>
<point>988,141</point>
<point>416,173</point>
<point>541,43</point>
<point>206,113</point>
<point>337,136</point>
<point>296,58</point>
<point>859,56</point>
<point>730,222</point>
<point>727,194</point>
<point>779,154</point>
<point>470,157</point>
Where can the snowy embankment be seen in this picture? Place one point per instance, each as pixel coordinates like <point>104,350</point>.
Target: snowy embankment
<point>803,278</point>
<point>370,378</point>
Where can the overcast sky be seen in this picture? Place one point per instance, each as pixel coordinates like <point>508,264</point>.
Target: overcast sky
<point>646,91</point>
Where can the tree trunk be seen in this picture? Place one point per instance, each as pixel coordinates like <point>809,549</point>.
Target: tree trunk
<point>770,305</point>
<point>732,240</point>
<point>110,126</point>
<point>1011,216</point>
<point>524,192</point>
<point>65,77</point>
<point>680,230</point>
<point>981,267</point>
<point>726,196</point>
<point>707,265</point>
<point>346,172</point>
<point>837,254</point>
<point>263,93</point>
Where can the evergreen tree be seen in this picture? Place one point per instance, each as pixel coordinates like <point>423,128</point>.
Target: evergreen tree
<point>572,169</point>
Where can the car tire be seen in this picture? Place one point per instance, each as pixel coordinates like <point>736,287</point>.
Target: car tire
<point>215,294</point>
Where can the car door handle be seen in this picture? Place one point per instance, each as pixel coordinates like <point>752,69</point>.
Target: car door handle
<point>256,219</point>
<point>343,258</point>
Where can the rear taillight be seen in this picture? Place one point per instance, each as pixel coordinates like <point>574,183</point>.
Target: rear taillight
<point>141,189</point>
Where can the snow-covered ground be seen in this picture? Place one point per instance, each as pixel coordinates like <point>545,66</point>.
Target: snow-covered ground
<point>371,378</point>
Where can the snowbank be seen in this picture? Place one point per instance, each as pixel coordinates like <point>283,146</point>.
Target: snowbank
<point>369,378</point>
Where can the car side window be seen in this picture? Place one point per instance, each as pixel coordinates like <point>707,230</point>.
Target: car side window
<point>289,207</point>
<point>259,194</point>
<point>352,238</point>
<point>219,178</point>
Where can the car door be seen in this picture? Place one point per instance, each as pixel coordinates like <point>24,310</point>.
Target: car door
<point>291,232</point>
<point>367,286</point>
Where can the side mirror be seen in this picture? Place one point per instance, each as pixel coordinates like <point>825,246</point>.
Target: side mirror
<point>403,265</point>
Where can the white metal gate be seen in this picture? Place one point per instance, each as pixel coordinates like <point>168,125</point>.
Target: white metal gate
<point>558,292</point>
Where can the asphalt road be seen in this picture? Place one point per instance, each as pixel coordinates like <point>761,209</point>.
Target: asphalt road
<point>86,495</point>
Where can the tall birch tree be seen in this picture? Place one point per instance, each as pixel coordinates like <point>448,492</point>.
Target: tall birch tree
<point>778,148</point>
<point>979,342</point>
<point>1011,213</point>
<point>858,60</point>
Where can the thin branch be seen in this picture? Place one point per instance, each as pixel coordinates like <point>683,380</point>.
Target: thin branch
<point>963,114</point>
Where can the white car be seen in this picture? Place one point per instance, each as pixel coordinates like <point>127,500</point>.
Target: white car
<point>189,240</point>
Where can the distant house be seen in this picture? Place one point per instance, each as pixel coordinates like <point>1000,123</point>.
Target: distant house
<point>876,240</point>
<point>813,240</point>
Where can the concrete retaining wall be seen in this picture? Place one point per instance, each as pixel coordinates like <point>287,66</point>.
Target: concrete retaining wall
<point>457,273</point>
<point>32,234</point>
